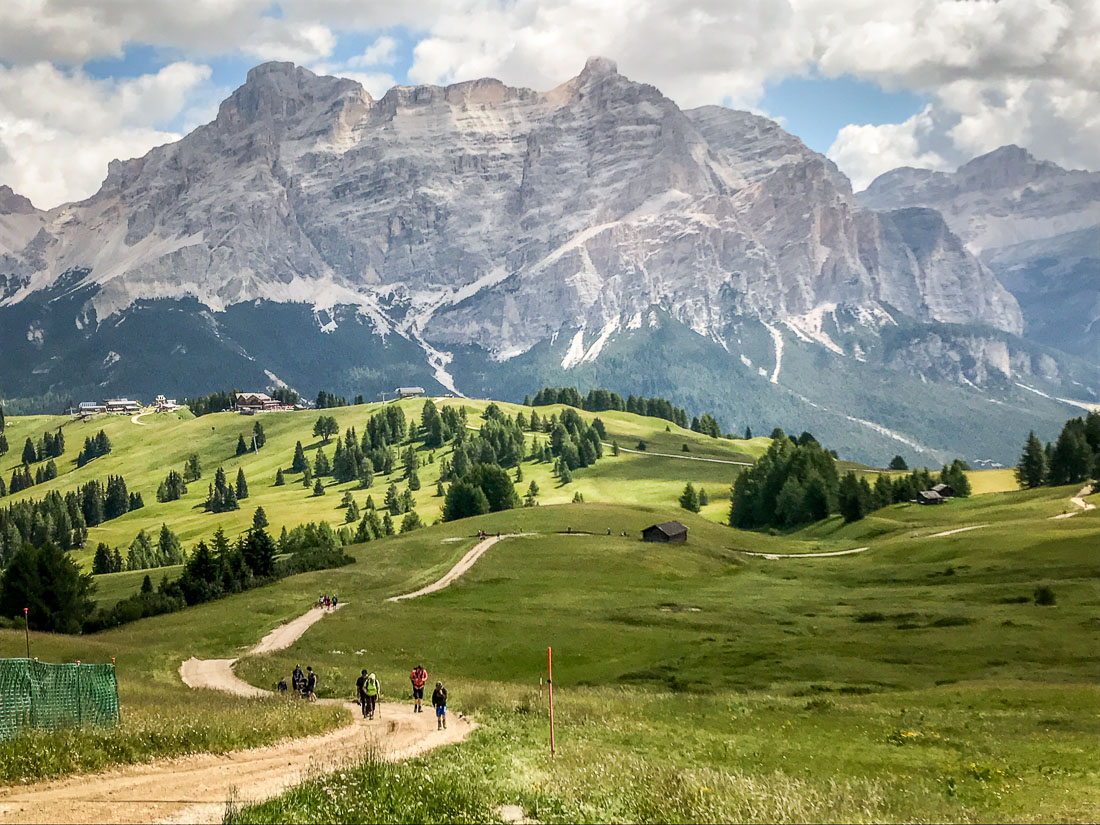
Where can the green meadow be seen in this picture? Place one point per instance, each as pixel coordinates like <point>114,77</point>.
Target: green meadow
<point>918,680</point>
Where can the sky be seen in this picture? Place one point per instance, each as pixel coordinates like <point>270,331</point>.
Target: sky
<point>873,84</point>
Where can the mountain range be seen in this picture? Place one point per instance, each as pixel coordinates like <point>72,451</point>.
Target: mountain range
<point>487,240</point>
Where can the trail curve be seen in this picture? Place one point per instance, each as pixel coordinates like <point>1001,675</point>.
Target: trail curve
<point>197,788</point>
<point>461,566</point>
<point>1079,502</point>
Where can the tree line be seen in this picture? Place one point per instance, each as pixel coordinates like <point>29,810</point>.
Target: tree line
<point>1072,459</point>
<point>45,579</point>
<point>797,482</point>
<point>64,520</point>
<point>600,400</point>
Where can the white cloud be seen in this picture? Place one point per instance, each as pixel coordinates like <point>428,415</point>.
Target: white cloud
<point>58,130</point>
<point>865,152</point>
<point>382,52</point>
<point>1023,71</point>
<point>275,40</point>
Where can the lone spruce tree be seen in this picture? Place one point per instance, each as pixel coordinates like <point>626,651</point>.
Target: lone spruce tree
<point>689,500</point>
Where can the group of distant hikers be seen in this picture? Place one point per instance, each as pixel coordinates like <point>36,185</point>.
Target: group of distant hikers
<point>368,690</point>
<point>304,684</point>
<point>327,602</point>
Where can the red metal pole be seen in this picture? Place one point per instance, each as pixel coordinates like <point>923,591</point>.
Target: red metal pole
<point>550,694</point>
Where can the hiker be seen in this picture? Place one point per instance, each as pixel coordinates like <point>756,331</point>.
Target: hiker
<point>374,690</point>
<point>282,685</point>
<point>335,601</point>
<point>297,678</point>
<point>310,690</point>
<point>609,531</point>
<point>439,701</point>
<point>361,692</point>
<point>418,677</point>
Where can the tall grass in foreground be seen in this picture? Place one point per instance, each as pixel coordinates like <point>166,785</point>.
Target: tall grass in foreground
<point>979,754</point>
<point>206,722</point>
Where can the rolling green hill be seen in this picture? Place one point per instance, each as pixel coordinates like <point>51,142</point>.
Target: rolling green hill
<point>144,453</point>
<point>917,679</point>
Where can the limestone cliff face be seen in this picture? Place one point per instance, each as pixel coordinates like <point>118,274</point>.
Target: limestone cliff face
<point>1036,225</point>
<point>480,214</point>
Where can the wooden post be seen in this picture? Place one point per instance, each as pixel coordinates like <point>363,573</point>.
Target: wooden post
<point>27,629</point>
<point>550,694</point>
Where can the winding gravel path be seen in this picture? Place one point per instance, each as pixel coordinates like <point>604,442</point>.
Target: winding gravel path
<point>463,564</point>
<point>197,788</point>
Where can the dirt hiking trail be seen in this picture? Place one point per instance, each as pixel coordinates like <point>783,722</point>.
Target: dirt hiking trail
<point>461,566</point>
<point>197,788</point>
<point>1079,502</point>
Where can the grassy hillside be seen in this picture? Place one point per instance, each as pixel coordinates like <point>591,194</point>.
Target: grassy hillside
<point>144,453</point>
<point>917,680</point>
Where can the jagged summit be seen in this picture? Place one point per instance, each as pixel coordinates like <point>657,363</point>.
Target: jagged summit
<point>478,228</point>
<point>598,66</point>
<point>1005,165</point>
<point>12,203</point>
<point>1032,222</point>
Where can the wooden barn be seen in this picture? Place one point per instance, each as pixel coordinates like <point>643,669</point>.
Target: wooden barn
<point>667,531</point>
<point>945,490</point>
<point>929,497</point>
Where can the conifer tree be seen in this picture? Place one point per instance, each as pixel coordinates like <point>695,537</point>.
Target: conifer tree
<point>689,500</point>
<point>387,524</point>
<point>140,553</point>
<point>299,464</point>
<point>307,477</point>
<point>850,498</point>
<point>439,491</point>
<point>101,562</point>
<point>169,550</point>
<point>352,514</point>
<point>30,456</point>
<point>279,480</point>
<point>242,448</point>
<point>318,488</point>
<point>259,519</point>
<point>1071,458</point>
<point>242,485</point>
<point>192,470</point>
<point>411,522</point>
<point>366,475</point>
<point>414,480</point>
<point>393,501</point>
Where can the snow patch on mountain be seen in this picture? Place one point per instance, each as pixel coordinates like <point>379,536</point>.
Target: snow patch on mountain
<point>777,341</point>
<point>809,326</point>
<point>575,354</point>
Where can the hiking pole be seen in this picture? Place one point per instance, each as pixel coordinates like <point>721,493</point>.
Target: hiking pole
<point>550,695</point>
<point>27,630</point>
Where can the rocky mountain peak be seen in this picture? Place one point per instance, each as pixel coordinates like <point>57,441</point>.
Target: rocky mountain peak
<point>280,93</point>
<point>12,203</point>
<point>596,66</point>
<point>1007,166</point>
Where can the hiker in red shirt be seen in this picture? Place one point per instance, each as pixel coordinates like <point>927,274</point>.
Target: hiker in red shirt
<point>418,677</point>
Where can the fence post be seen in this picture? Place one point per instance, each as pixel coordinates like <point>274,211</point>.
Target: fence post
<point>550,694</point>
<point>27,629</point>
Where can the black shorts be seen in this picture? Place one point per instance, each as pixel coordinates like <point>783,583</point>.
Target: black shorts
<point>418,693</point>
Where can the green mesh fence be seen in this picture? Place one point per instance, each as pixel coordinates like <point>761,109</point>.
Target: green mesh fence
<point>40,695</point>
